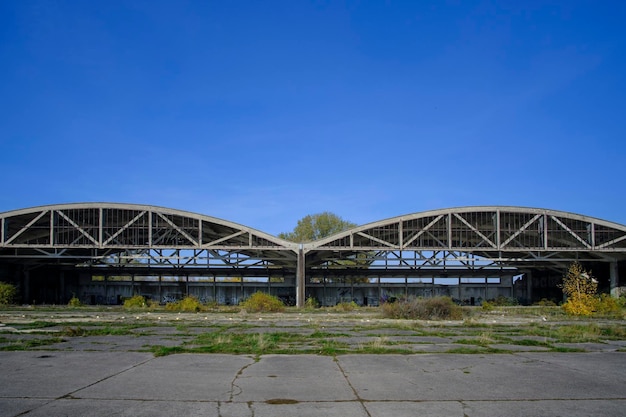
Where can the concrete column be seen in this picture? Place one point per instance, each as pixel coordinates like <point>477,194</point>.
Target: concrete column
<point>300,278</point>
<point>614,280</point>
<point>486,289</point>
<point>529,287</point>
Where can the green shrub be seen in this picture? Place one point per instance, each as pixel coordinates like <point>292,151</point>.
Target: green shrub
<point>75,302</point>
<point>487,306</point>
<point>137,301</point>
<point>345,306</point>
<point>189,304</point>
<point>544,302</point>
<point>436,308</point>
<point>8,293</point>
<point>608,305</point>
<point>505,301</point>
<point>311,303</point>
<point>261,302</point>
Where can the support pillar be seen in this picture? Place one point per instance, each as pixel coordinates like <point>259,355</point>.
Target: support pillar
<point>300,278</point>
<point>529,287</point>
<point>486,289</point>
<point>614,280</point>
<point>160,290</point>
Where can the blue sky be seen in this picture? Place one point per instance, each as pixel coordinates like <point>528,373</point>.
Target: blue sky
<point>264,112</point>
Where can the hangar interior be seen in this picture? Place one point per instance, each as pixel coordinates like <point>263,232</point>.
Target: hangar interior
<point>104,252</point>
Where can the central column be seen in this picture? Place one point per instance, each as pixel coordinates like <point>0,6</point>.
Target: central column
<point>614,276</point>
<point>529,287</point>
<point>300,278</point>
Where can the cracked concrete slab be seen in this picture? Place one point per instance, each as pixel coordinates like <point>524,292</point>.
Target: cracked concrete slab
<point>312,409</point>
<point>173,378</point>
<point>570,408</point>
<point>125,408</point>
<point>44,374</point>
<point>137,384</point>
<point>432,377</point>
<point>286,377</point>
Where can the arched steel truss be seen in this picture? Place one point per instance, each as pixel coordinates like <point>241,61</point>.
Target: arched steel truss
<point>468,241</point>
<point>137,236</point>
<point>515,236</point>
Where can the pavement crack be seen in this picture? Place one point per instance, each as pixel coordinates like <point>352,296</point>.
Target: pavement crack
<point>235,389</point>
<point>356,394</point>
<point>70,394</point>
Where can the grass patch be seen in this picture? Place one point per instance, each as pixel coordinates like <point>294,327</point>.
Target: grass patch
<point>466,350</point>
<point>436,308</point>
<point>530,342</point>
<point>33,325</point>
<point>26,344</point>
<point>324,335</point>
<point>159,350</point>
<point>98,331</point>
<point>562,349</point>
<point>578,333</point>
<point>324,332</point>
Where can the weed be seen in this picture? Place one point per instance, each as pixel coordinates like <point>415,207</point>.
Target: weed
<point>561,349</point>
<point>73,331</point>
<point>8,293</point>
<point>578,333</point>
<point>436,308</point>
<point>189,304</point>
<point>466,350</point>
<point>75,302</point>
<point>159,350</point>
<point>137,301</point>
<point>607,305</point>
<point>544,302</point>
<point>614,332</point>
<point>487,306</point>
<point>311,303</point>
<point>261,302</point>
<point>25,344</point>
<point>345,306</point>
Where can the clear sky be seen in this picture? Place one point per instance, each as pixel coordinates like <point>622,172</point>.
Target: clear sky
<point>261,112</point>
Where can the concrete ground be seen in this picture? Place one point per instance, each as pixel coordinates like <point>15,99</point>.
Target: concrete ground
<point>90,383</point>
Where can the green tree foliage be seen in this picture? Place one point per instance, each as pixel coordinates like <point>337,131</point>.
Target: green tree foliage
<point>321,225</point>
<point>8,293</point>
<point>317,226</point>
